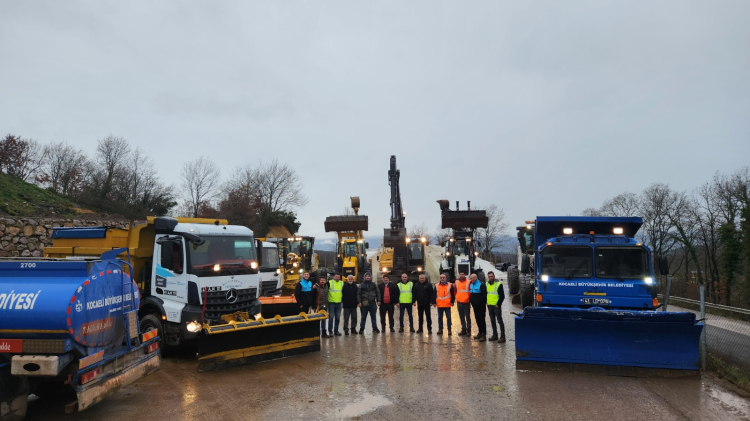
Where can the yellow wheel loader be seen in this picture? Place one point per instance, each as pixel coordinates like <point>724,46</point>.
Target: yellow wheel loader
<point>351,249</point>
<point>198,281</point>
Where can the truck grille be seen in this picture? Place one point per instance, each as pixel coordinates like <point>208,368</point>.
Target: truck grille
<point>267,288</point>
<point>217,304</point>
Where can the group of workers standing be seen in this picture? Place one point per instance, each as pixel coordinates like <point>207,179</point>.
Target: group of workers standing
<point>467,293</point>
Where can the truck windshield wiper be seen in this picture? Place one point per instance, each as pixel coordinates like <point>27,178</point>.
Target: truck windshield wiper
<point>580,265</point>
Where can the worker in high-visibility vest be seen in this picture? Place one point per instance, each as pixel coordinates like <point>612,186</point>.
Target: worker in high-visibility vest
<point>335,287</point>
<point>495,298</point>
<point>464,307</point>
<point>405,302</point>
<point>445,298</point>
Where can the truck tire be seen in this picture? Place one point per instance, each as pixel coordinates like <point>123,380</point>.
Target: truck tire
<point>513,284</point>
<point>527,292</point>
<point>152,322</point>
<point>480,275</point>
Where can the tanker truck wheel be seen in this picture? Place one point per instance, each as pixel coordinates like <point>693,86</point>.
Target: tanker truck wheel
<point>14,395</point>
<point>513,285</point>
<point>527,292</point>
<point>151,322</point>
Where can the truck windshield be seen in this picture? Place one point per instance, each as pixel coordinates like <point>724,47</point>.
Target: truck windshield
<point>621,262</point>
<point>350,249</point>
<point>233,255</point>
<point>567,262</point>
<point>299,247</point>
<point>270,258</point>
<point>415,251</point>
<point>460,247</point>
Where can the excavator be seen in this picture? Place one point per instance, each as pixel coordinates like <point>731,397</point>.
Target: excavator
<point>461,250</point>
<point>400,254</point>
<point>351,248</point>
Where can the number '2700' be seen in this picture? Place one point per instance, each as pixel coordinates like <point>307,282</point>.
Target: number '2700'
<point>28,265</point>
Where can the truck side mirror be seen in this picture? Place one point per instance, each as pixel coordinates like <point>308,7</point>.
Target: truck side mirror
<point>663,265</point>
<point>378,258</point>
<point>367,245</point>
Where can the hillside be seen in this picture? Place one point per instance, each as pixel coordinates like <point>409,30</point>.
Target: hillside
<point>19,198</point>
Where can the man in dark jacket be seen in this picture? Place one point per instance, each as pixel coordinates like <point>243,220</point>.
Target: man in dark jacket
<point>303,293</point>
<point>478,300</point>
<point>368,297</point>
<point>424,295</point>
<point>389,297</point>
<point>320,299</point>
<point>349,301</point>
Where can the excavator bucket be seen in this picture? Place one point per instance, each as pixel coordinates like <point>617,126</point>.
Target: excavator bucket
<point>245,341</point>
<point>465,219</point>
<point>394,237</point>
<point>651,339</point>
<point>345,223</point>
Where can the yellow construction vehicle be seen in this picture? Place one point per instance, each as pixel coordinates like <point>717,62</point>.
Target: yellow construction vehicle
<point>400,254</point>
<point>351,248</point>
<point>198,282</point>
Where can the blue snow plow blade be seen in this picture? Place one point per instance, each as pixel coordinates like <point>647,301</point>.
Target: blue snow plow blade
<point>609,337</point>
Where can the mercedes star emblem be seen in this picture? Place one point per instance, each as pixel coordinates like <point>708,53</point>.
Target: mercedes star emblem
<point>232,295</point>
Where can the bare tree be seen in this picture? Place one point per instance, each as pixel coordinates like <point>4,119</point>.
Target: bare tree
<point>200,183</point>
<point>417,231</point>
<point>591,212</point>
<point>20,158</point>
<point>441,235</point>
<point>279,186</point>
<point>624,204</point>
<point>492,236</point>
<point>64,169</point>
<point>656,201</point>
<point>112,157</point>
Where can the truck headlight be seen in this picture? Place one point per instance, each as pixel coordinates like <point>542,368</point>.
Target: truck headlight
<point>419,269</point>
<point>447,253</point>
<point>278,271</point>
<point>648,280</point>
<point>193,327</point>
<point>385,269</point>
<point>257,316</point>
<point>545,278</point>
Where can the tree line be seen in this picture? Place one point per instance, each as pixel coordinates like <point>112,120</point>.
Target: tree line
<point>705,231</point>
<point>121,179</point>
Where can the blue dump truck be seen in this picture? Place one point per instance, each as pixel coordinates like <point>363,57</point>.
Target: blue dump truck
<point>590,298</point>
<point>69,326</point>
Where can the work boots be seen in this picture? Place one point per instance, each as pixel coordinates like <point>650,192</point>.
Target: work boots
<point>440,331</point>
<point>477,336</point>
<point>493,337</point>
<point>462,332</point>
<point>482,337</point>
<point>502,339</point>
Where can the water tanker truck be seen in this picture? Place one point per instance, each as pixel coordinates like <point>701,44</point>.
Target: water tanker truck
<point>69,325</point>
<point>592,299</point>
<point>199,283</point>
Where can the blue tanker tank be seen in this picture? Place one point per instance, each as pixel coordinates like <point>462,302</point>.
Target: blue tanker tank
<point>80,301</point>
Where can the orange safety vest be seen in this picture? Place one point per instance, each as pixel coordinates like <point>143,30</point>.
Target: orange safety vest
<point>443,295</point>
<point>462,291</point>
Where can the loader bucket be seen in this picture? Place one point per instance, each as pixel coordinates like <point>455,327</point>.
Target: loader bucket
<point>394,237</point>
<point>345,223</point>
<point>660,340</point>
<point>465,219</point>
<point>240,343</point>
<point>278,306</point>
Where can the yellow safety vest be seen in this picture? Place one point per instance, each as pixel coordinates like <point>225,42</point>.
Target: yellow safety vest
<point>404,296</point>
<point>334,294</point>
<point>492,296</point>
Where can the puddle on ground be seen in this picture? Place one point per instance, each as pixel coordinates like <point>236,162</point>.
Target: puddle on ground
<point>368,403</point>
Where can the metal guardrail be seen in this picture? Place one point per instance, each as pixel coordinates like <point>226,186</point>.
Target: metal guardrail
<point>709,305</point>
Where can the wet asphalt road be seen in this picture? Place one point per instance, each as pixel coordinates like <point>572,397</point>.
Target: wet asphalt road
<point>406,376</point>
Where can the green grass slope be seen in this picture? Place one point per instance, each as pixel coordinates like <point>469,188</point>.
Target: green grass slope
<point>19,198</point>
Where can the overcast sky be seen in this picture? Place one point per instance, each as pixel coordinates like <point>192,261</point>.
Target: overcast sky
<point>542,107</point>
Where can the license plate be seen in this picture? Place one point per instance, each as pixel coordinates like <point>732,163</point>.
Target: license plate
<point>596,301</point>
<point>11,346</point>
